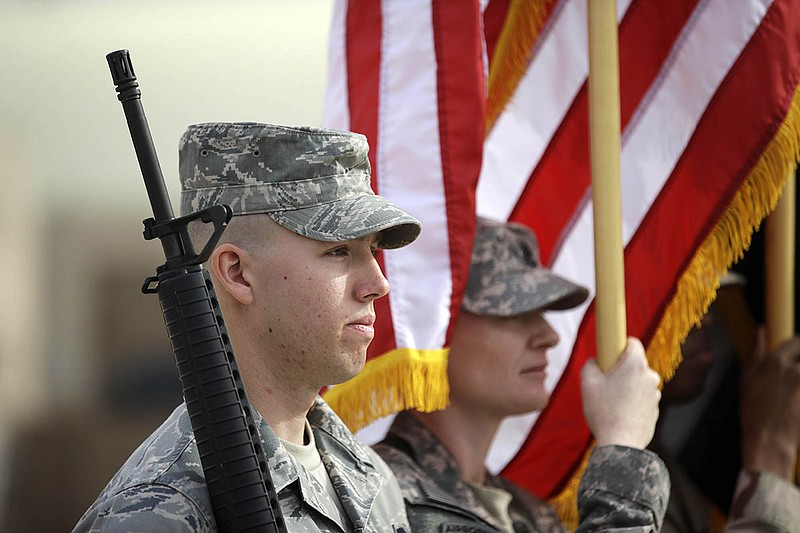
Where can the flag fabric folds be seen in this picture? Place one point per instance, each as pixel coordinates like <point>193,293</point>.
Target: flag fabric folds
<point>410,75</point>
<point>710,117</point>
<point>709,113</point>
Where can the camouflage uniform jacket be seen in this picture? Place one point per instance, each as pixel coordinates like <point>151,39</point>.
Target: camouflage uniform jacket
<point>623,489</point>
<point>162,488</point>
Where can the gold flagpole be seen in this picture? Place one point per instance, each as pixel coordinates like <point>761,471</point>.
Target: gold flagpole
<point>779,267</point>
<point>604,137</point>
<point>779,243</point>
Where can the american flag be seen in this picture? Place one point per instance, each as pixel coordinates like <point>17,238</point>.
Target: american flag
<point>482,107</point>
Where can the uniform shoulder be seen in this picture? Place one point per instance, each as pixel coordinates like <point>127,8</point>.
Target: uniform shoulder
<point>146,508</point>
<point>162,474</point>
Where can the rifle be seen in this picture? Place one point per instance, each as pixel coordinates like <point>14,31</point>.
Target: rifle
<point>242,494</point>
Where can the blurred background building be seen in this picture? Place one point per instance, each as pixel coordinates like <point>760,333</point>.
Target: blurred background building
<point>86,370</point>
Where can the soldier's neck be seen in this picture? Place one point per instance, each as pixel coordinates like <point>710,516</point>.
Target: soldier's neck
<point>466,436</point>
<point>283,405</point>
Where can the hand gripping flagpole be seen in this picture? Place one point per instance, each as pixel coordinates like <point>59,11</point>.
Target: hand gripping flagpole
<point>604,142</point>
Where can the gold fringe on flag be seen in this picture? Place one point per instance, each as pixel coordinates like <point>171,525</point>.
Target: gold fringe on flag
<point>417,379</point>
<point>697,288</point>
<point>513,53</point>
<point>397,380</point>
<point>727,243</point>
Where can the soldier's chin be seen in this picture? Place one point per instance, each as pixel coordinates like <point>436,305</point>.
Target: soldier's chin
<point>354,364</point>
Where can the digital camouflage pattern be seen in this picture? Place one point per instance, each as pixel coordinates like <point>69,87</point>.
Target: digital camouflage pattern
<point>507,278</point>
<point>624,489</point>
<point>162,488</point>
<point>312,181</point>
<point>623,486</point>
<point>438,498</point>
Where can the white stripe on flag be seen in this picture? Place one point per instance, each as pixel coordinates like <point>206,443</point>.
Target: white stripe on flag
<point>336,111</point>
<point>410,174</point>
<point>657,135</point>
<point>544,95</point>
<point>652,144</point>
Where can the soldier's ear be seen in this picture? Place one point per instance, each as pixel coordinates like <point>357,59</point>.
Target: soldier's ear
<point>227,265</point>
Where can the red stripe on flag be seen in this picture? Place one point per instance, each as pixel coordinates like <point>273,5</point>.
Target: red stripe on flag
<point>494,16</point>
<point>462,113</point>
<point>560,181</point>
<point>735,130</point>
<point>363,50</point>
<point>729,139</point>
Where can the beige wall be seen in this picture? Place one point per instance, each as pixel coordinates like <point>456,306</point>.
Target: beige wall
<point>73,325</point>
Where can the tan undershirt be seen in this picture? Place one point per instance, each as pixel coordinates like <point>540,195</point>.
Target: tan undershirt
<point>308,456</point>
<point>496,501</point>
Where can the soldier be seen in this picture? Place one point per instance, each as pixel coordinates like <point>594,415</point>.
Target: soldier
<point>765,496</point>
<point>296,276</point>
<point>496,367</point>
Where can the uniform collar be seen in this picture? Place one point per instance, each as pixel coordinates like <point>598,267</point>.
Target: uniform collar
<point>435,459</point>
<point>355,479</point>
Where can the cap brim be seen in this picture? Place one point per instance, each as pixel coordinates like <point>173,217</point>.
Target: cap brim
<point>567,296</point>
<point>352,218</point>
<point>535,290</point>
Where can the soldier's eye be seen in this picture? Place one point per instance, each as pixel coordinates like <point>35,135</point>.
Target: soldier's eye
<point>340,251</point>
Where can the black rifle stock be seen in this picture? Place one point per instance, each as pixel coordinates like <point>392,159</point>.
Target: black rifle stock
<point>240,486</point>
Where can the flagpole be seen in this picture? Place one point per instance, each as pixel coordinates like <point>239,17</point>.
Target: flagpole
<point>779,267</point>
<point>779,244</point>
<point>604,138</point>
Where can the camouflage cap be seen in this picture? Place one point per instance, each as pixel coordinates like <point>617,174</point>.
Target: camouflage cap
<point>312,181</point>
<point>507,278</point>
